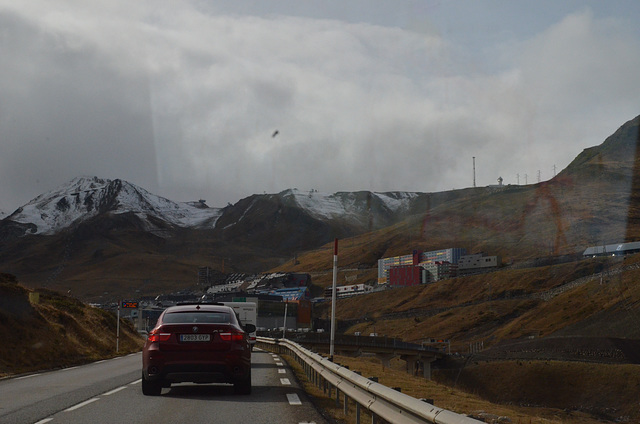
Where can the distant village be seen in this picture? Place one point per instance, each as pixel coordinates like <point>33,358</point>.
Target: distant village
<point>284,300</point>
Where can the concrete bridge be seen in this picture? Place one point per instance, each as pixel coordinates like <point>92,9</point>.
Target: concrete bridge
<point>384,348</point>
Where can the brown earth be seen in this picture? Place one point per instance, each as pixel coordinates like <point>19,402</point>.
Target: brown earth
<point>42,329</point>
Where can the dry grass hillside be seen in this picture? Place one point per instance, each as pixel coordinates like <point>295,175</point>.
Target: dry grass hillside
<point>558,342</point>
<point>504,305</point>
<point>42,329</point>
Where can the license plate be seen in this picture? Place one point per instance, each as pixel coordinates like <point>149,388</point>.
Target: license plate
<point>195,337</point>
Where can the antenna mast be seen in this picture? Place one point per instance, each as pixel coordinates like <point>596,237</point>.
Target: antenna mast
<point>474,171</point>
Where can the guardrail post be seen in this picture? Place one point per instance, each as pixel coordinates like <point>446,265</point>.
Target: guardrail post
<point>357,413</point>
<point>337,397</point>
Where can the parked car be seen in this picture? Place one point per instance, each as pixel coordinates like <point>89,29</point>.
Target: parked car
<point>198,343</point>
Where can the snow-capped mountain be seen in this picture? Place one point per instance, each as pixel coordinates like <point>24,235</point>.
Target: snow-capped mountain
<point>312,215</point>
<point>84,198</point>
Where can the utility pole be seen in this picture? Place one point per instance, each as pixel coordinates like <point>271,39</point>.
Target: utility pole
<point>333,300</point>
<point>284,325</point>
<point>118,328</point>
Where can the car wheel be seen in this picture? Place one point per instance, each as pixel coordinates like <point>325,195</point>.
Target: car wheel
<point>243,387</point>
<point>151,388</point>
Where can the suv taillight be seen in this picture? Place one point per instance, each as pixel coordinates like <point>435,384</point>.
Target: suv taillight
<point>227,337</point>
<point>159,337</point>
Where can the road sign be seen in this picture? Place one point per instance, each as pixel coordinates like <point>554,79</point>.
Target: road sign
<point>129,304</point>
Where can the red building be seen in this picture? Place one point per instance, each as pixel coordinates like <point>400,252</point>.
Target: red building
<point>404,276</point>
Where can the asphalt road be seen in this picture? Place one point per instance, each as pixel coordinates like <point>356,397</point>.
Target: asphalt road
<point>110,392</point>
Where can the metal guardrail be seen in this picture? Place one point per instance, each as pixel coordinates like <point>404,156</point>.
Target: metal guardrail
<point>389,404</point>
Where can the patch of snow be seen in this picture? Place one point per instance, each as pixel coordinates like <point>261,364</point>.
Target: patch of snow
<point>337,205</point>
<point>397,200</point>
<point>320,204</point>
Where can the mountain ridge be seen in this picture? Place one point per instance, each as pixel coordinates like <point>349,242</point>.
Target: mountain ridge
<point>83,198</point>
<point>591,201</point>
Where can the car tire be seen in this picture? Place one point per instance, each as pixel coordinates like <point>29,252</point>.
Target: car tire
<point>243,387</point>
<point>151,388</point>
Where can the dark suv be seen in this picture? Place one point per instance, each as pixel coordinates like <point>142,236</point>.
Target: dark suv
<point>198,343</point>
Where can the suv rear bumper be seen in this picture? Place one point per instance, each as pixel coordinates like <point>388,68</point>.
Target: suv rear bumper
<point>236,368</point>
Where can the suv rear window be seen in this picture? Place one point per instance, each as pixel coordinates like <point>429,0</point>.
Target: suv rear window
<point>197,317</point>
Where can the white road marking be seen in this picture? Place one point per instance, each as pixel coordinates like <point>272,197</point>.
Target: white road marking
<point>46,420</point>
<point>80,405</point>
<point>114,391</point>
<point>282,371</point>
<point>293,399</point>
<point>285,381</point>
<point>135,382</point>
<point>26,376</point>
<point>68,369</point>
<point>280,364</point>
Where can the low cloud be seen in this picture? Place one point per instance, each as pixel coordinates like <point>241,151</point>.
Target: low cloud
<point>185,103</point>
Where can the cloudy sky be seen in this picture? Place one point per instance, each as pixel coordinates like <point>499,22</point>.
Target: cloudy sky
<point>183,97</point>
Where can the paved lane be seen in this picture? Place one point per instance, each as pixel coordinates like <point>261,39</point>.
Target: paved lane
<point>276,398</point>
